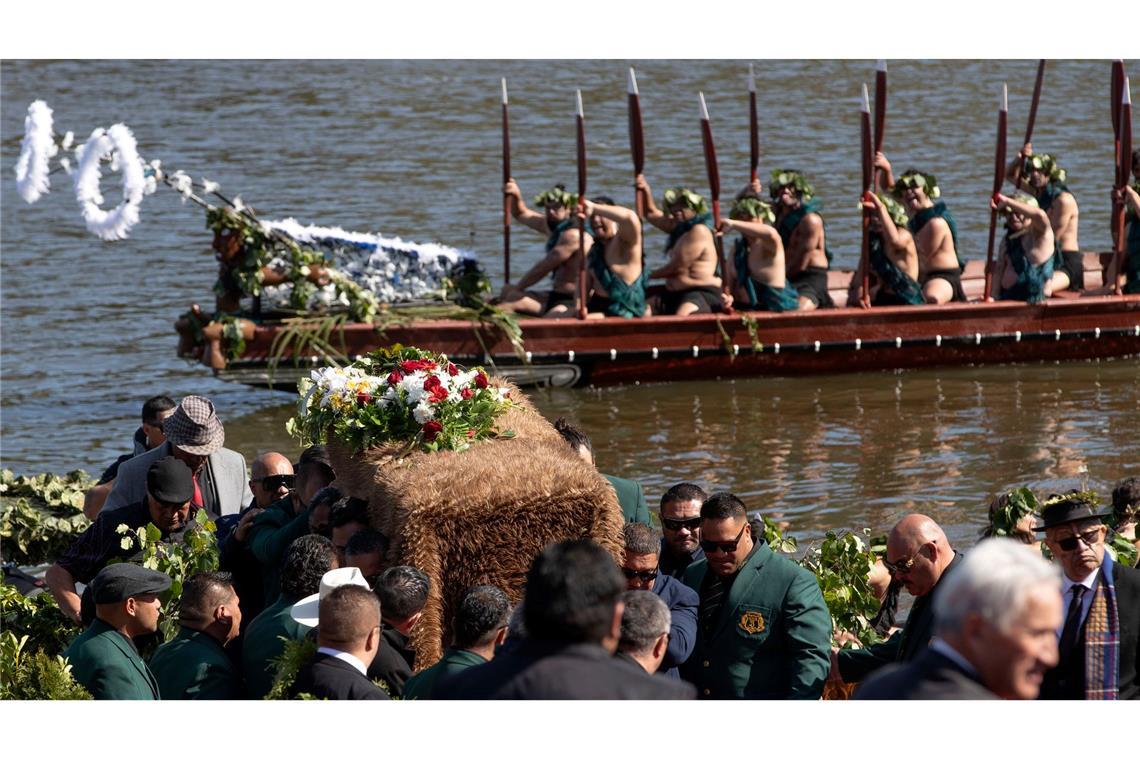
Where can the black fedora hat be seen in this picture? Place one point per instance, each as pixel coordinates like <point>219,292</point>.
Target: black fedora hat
<point>1067,508</point>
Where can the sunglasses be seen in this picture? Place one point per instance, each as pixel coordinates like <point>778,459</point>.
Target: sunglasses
<point>1070,543</point>
<point>273,482</point>
<point>902,566</point>
<point>645,575</point>
<point>692,523</point>
<point>728,547</point>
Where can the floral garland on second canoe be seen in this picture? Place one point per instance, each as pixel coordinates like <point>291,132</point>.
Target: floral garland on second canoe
<point>400,395</point>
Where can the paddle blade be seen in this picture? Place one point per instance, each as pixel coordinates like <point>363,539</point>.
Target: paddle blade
<point>1115,95</point>
<point>710,153</point>
<point>581,124</point>
<point>865,141</point>
<point>1036,99</point>
<point>1125,132</point>
<point>999,153</point>
<point>636,136</point>
<point>506,137</point>
<point>753,125</point>
<point>880,104</point>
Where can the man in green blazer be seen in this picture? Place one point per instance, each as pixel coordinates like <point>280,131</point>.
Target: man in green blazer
<point>630,496</point>
<point>480,626</point>
<point>763,630</point>
<point>195,665</point>
<point>104,658</point>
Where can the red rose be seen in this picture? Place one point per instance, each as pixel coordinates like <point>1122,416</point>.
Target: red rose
<point>395,377</point>
<point>438,394</point>
<point>452,369</point>
<point>470,433</point>
<point>431,429</point>
<point>431,382</point>
<point>481,380</point>
<point>467,393</point>
<point>412,365</point>
<point>363,398</point>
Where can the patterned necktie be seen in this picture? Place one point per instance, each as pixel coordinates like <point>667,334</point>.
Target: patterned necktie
<point>1072,621</point>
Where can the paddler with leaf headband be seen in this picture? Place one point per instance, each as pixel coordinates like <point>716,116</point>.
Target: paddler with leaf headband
<point>1025,268</point>
<point>804,235</point>
<point>1039,175</point>
<point>560,227</point>
<point>757,260</point>
<point>692,283</point>
<point>935,233</point>
<point>893,257</point>
<point>615,263</point>
<point>1130,197</point>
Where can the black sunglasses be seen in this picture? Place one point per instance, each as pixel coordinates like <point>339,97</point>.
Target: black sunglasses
<point>273,482</point>
<point>1070,543</point>
<point>692,523</point>
<point>728,547</point>
<point>903,565</point>
<point>645,575</point>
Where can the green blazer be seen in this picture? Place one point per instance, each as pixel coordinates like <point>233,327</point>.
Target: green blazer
<point>269,537</point>
<point>263,644</point>
<point>631,498</point>
<point>108,665</point>
<point>194,666</point>
<point>772,639</point>
<point>453,661</point>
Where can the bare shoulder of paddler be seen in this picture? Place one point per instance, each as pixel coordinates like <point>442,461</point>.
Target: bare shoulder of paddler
<point>619,229</point>
<point>1026,219</point>
<point>807,245</point>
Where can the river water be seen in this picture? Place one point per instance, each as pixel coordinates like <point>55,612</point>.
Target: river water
<point>412,149</point>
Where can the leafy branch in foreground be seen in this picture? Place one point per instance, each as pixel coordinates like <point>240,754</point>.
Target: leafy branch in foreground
<point>40,515</point>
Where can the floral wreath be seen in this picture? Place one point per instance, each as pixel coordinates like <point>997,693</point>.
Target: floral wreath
<point>36,151</point>
<point>685,197</point>
<point>1020,197</point>
<point>556,196</point>
<point>1017,504</point>
<point>752,208</point>
<point>1045,163</point>
<point>894,209</point>
<point>782,178</point>
<point>118,145</point>
<point>914,178</point>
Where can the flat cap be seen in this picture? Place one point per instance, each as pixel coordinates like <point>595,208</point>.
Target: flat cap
<point>169,480</point>
<point>117,583</point>
<point>316,453</point>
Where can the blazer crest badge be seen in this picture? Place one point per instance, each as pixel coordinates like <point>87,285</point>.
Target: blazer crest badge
<point>752,622</point>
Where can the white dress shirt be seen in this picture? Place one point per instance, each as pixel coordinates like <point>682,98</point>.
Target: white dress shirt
<point>352,660</point>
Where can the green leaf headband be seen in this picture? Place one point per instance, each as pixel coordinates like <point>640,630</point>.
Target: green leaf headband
<point>927,182</point>
<point>894,209</point>
<point>687,198</point>
<point>1017,504</point>
<point>782,178</point>
<point>1025,198</point>
<point>556,196</point>
<point>1045,163</point>
<point>753,208</point>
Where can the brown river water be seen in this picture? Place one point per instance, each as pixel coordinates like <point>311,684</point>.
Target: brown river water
<point>411,148</point>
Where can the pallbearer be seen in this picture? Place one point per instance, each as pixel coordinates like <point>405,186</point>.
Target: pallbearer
<point>757,261</point>
<point>691,279</point>
<point>935,232</point>
<point>561,260</point>
<point>1039,175</point>
<point>616,266</point>
<point>1025,268</point>
<point>804,235</point>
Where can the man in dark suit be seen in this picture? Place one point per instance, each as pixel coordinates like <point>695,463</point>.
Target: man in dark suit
<point>573,617</point>
<point>644,630</point>
<point>680,515</point>
<point>640,566</point>
<point>630,496</point>
<point>195,665</point>
<point>347,640</point>
<point>919,556</point>
<point>403,592</point>
<point>1100,596</point>
<point>995,620</point>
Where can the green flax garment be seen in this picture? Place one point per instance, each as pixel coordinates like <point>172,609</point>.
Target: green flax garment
<point>108,665</point>
<point>557,232</point>
<point>938,211</point>
<point>194,666</point>
<point>771,638</point>
<point>1031,278</point>
<point>454,660</point>
<point>680,229</point>
<point>761,296</point>
<point>625,299</point>
<point>896,280</point>
<point>263,643</point>
<point>788,224</point>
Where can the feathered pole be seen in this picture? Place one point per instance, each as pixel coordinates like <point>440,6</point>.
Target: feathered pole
<point>636,137</point>
<point>999,178</point>
<point>1123,169</point>
<point>880,112</point>
<point>506,198</point>
<point>868,171</point>
<point>714,190</point>
<point>753,124</point>
<point>581,118</point>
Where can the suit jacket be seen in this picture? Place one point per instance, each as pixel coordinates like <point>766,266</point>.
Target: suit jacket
<point>1067,680</point>
<point>559,670</point>
<point>194,666</point>
<point>772,638</point>
<point>262,643</point>
<point>911,641</point>
<point>930,675</point>
<point>683,604</point>
<point>270,535</point>
<point>422,684</point>
<point>226,468</point>
<point>631,498</point>
<point>394,662</point>
<point>108,665</point>
<point>326,677</point>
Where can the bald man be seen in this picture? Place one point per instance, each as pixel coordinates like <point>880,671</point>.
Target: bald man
<point>918,556</point>
<point>270,478</point>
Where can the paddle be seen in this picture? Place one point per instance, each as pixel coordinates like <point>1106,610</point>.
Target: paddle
<point>506,198</point>
<point>999,178</point>
<point>714,190</point>
<point>753,124</point>
<point>581,207</point>
<point>636,138</point>
<point>1123,169</point>
<point>880,111</point>
<point>865,255</point>
<point>1036,100</point>
<point>1116,91</point>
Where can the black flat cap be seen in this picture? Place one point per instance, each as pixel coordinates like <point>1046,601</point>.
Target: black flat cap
<point>169,480</point>
<point>1069,508</point>
<point>117,583</point>
<point>316,453</point>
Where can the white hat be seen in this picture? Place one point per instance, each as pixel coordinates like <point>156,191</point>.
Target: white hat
<point>307,611</point>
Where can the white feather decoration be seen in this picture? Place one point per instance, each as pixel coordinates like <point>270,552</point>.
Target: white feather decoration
<point>209,187</point>
<point>117,144</point>
<point>36,152</point>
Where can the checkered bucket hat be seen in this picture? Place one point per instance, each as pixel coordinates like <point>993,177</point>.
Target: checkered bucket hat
<point>194,427</point>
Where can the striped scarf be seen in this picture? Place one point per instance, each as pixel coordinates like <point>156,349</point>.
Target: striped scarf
<point>1102,641</point>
